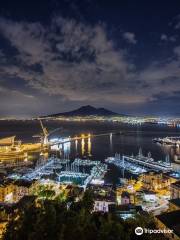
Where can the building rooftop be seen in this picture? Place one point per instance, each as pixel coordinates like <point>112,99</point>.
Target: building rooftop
<point>145,191</point>
<point>19,182</point>
<point>103,193</point>
<point>24,183</point>
<point>125,194</point>
<point>107,198</point>
<point>175,201</point>
<point>171,220</point>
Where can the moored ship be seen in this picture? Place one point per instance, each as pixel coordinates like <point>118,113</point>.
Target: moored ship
<point>174,141</point>
<point>12,153</point>
<point>10,149</point>
<point>146,162</point>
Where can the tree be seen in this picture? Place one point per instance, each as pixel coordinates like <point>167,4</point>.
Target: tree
<point>52,220</point>
<point>87,201</point>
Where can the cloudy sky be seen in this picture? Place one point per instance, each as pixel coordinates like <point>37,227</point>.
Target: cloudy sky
<point>59,55</point>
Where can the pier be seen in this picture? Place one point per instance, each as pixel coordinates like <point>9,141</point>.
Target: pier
<point>73,173</point>
<point>83,136</point>
<point>65,171</point>
<point>174,141</point>
<point>140,163</point>
<point>118,161</point>
<point>143,161</point>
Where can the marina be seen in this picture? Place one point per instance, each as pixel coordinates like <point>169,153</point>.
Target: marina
<point>140,163</point>
<point>149,163</point>
<point>64,171</point>
<point>174,141</point>
<point>129,166</point>
<point>83,172</point>
<point>75,154</point>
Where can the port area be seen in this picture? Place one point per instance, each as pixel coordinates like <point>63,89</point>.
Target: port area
<point>157,205</point>
<point>65,171</point>
<point>139,163</point>
<point>128,166</point>
<point>149,185</point>
<point>174,141</point>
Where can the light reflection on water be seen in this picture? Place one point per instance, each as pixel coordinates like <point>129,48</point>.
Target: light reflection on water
<point>101,147</point>
<point>82,147</point>
<point>89,146</point>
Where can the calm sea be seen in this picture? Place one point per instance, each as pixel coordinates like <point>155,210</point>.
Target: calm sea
<point>99,148</point>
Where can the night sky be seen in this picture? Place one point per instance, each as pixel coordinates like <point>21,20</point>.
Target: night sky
<point>59,55</point>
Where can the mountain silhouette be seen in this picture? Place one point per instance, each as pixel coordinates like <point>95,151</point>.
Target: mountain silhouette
<point>86,111</point>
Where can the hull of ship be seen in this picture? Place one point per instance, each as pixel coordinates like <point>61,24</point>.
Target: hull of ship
<point>149,164</point>
<point>10,155</point>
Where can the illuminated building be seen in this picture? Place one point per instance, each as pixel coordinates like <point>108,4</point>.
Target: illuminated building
<point>155,181</point>
<point>3,225</point>
<point>149,196</point>
<point>128,188</point>
<point>175,190</point>
<point>103,204</point>
<point>13,191</point>
<point>125,198</point>
<point>104,198</point>
<point>6,190</point>
<point>22,188</point>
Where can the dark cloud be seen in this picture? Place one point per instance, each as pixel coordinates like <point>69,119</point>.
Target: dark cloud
<point>67,58</point>
<point>130,37</point>
<point>77,62</point>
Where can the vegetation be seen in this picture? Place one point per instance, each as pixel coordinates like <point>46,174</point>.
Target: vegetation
<point>45,192</point>
<point>52,220</point>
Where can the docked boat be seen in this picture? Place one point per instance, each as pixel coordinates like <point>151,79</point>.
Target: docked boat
<point>12,154</point>
<point>141,163</point>
<point>173,141</point>
<point>149,162</point>
<point>15,153</point>
<point>129,166</point>
<point>9,149</point>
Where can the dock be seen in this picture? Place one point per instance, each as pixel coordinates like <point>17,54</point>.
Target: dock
<point>174,141</point>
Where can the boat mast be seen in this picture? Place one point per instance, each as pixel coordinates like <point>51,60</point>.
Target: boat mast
<point>140,152</point>
<point>168,159</point>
